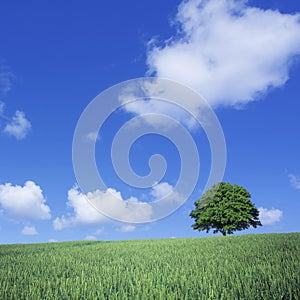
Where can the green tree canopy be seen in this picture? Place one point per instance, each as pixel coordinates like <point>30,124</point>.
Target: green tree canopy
<point>225,208</point>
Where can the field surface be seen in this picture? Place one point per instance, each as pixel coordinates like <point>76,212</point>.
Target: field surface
<point>246,267</point>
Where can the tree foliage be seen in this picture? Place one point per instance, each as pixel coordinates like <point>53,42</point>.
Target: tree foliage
<point>225,208</point>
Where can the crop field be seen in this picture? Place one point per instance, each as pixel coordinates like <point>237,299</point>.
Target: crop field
<point>265,266</point>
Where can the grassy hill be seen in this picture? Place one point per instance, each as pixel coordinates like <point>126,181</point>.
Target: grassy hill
<point>246,267</point>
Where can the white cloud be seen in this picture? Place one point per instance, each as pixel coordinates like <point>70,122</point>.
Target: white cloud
<point>29,230</point>
<point>24,202</point>
<point>53,241</point>
<point>83,212</point>
<point>90,238</point>
<point>166,196</point>
<point>160,104</point>
<point>227,51</point>
<point>269,216</point>
<point>294,181</point>
<point>19,126</point>
<point>94,235</point>
<point>110,201</point>
<point>161,190</point>
<point>127,228</point>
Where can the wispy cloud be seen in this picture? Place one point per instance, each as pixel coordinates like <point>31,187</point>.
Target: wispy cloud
<point>90,238</point>
<point>6,79</point>
<point>294,181</point>
<point>94,236</point>
<point>2,105</point>
<point>269,216</point>
<point>53,241</point>
<point>19,126</point>
<point>127,228</point>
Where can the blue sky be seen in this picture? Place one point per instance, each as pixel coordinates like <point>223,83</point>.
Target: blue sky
<point>242,57</point>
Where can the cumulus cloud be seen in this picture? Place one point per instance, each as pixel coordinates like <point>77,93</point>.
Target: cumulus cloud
<point>229,52</point>
<point>269,216</point>
<point>83,212</point>
<point>161,190</point>
<point>294,181</point>
<point>18,127</point>
<point>131,210</point>
<point>110,201</point>
<point>165,196</point>
<point>29,230</point>
<point>24,202</point>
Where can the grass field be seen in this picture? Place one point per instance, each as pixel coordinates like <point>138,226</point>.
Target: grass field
<point>246,267</point>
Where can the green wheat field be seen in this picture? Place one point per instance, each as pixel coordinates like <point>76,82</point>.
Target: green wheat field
<point>265,266</point>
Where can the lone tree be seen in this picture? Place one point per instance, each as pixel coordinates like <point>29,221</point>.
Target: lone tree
<point>225,208</point>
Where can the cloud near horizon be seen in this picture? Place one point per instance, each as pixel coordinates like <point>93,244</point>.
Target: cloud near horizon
<point>82,212</point>
<point>90,238</point>
<point>269,216</point>
<point>111,202</point>
<point>228,51</point>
